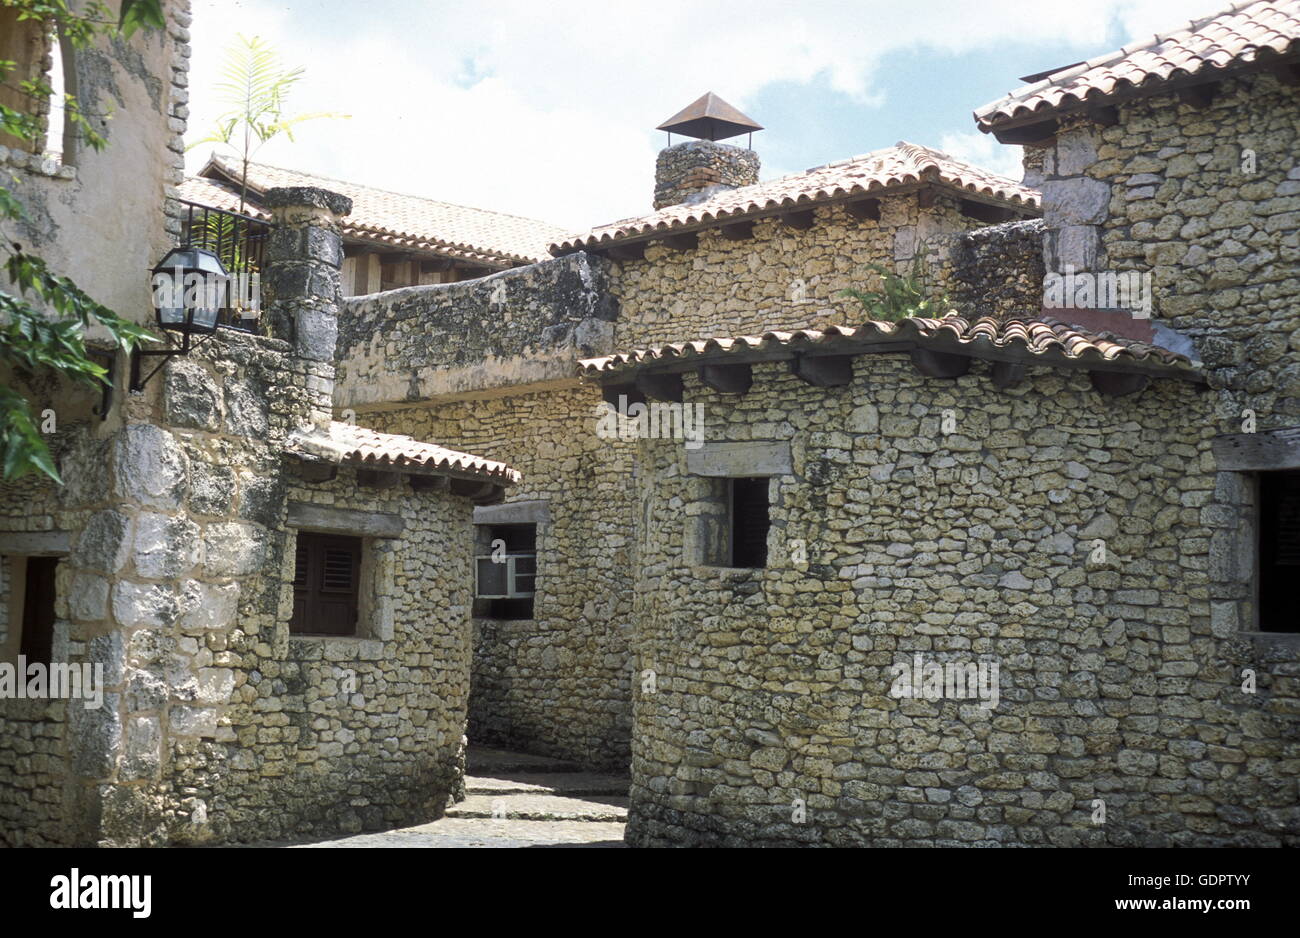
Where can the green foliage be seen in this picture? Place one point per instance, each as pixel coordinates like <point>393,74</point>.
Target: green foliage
<point>43,315</point>
<point>902,296</point>
<point>140,13</point>
<point>254,92</point>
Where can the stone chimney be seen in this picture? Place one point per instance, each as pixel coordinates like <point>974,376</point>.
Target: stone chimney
<point>693,171</point>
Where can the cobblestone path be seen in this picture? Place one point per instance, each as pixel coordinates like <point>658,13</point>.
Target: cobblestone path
<point>517,800</point>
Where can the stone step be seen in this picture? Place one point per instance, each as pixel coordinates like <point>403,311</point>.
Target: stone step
<point>492,762</point>
<point>547,783</point>
<point>541,808</point>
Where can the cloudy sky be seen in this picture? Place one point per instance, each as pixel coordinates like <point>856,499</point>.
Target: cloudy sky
<point>547,109</point>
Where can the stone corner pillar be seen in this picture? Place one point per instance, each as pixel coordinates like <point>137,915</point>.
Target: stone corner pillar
<point>303,257</point>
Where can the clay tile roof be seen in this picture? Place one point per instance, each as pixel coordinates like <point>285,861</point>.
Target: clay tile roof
<point>371,449</point>
<point>490,238</point>
<point>1039,341</point>
<point>1243,34</point>
<point>872,174</point>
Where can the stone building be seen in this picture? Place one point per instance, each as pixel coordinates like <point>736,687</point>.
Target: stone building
<point>277,602</point>
<point>1013,575</point>
<point>489,366</point>
<point>1069,498</point>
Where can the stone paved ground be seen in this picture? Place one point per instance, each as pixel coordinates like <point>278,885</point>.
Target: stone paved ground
<point>517,800</point>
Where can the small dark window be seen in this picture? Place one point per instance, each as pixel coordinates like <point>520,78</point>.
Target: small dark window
<point>1279,551</point>
<point>326,584</point>
<point>749,521</point>
<point>506,571</point>
<point>38,610</point>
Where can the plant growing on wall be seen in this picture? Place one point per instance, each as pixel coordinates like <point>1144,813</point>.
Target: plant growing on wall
<point>903,296</point>
<point>254,91</point>
<point>44,315</point>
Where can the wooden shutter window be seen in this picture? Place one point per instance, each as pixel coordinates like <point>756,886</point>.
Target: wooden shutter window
<point>327,574</point>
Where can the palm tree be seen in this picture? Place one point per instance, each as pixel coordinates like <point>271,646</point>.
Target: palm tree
<point>254,90</point>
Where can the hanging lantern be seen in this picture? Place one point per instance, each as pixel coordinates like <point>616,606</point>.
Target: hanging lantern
<point>189,288</point>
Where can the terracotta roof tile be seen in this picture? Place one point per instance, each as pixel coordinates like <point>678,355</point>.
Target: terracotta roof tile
<point>371,449</point>
<point>1043,341</point>
<point>494,239</point>
<point>871,174</point>
<point>1242,34</point>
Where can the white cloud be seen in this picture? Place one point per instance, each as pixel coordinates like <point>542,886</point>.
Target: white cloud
<point>545,109</point>
<point>983,150</point>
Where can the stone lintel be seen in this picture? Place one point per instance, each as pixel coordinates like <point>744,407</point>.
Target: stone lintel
<point>332,520</point>
<point>34,543</point>
<point>1258,452</point>
<point>740,460</point>
<point>537,511</point>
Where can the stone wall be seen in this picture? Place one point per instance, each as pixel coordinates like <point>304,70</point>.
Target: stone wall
<point>216,725</point>
<point>763,711</point>
<point>113,196</point>
<point>1206,201</point>
<point>491,365</point>
<point>99,217</point>
<point>521,327</point>
<point>698,169</point>
<point>999,271</point>
<point>782,278</point>
<point>556,684</point>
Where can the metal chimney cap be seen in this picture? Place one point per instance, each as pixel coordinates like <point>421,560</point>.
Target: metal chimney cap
<point>709,118</point>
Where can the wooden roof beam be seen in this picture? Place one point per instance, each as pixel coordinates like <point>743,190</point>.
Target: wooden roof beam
<point>863,209</point>
<point>628,252</point>
<point>934,364</point>
<point>1117,383</point>
<point>823,371</point>
<point>727,379</point>
<point>660,386</point>
<point>1199,96</point>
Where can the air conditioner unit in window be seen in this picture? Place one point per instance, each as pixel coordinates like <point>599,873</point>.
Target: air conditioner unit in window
<point>508,576</point>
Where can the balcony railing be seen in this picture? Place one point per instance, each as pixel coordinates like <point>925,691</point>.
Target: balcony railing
<point>240,242</point>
